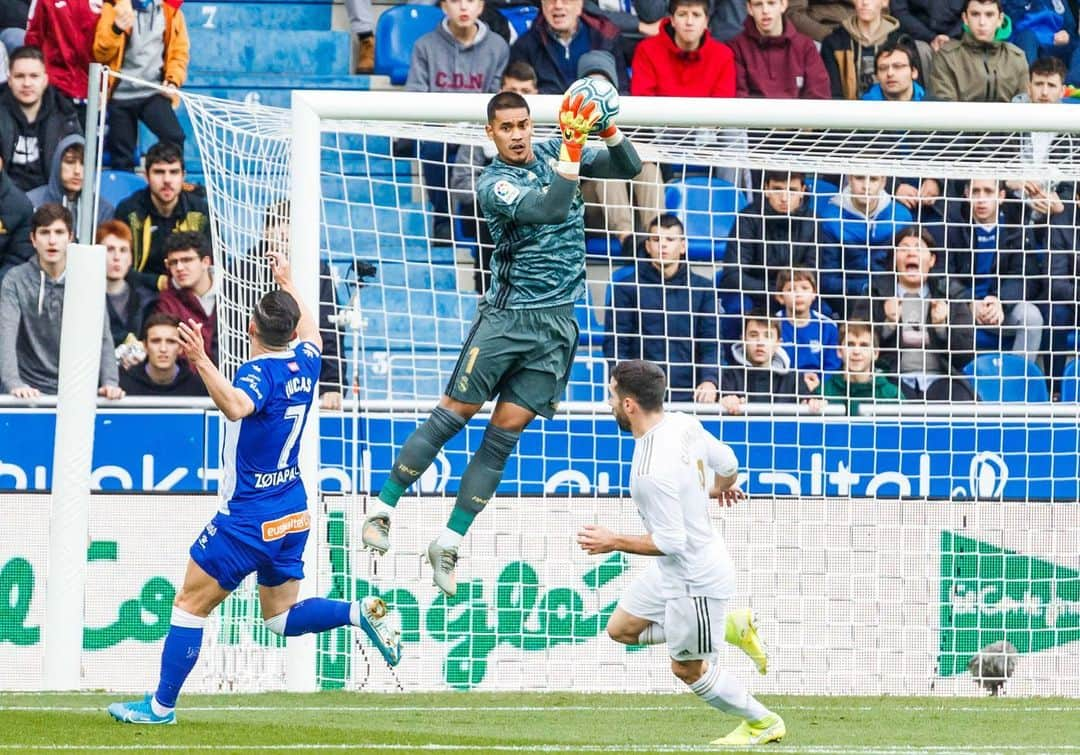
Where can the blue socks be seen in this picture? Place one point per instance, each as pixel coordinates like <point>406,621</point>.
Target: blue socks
<point>179,655</point>
<point>317,615</point>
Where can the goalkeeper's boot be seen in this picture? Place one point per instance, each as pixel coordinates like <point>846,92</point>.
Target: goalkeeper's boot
<point>443,559</point>
<point>740,631</point>
<point>376,533</point>
<point>769,729</point>
<point>381,629</point>
<point>140,712</point>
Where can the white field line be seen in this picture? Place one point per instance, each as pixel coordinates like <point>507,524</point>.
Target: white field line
<point>434,747</point>
<point>555,709</point>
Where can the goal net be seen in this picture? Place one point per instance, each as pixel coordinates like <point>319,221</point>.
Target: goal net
<point>794,206</point>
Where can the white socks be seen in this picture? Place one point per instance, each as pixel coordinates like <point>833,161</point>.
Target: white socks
<point>378,507</point>
<point>653,635</point>
<point>449,539</point>
<point>724,692</point>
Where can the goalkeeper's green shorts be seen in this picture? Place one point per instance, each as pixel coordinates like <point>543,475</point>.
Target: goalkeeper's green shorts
<point>520,355</point>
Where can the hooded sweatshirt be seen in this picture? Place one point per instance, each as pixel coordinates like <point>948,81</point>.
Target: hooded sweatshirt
<point>663,69</point>
<point>784,67</point>
<point>775,382</point>
<point>54,192</point>
<point>31,310</point>
<point>972,71</point>
<point>15,212</point>
<point>857,244</point>
<point>441,63</point>
<point>849,53</point>
<point>27,148</point>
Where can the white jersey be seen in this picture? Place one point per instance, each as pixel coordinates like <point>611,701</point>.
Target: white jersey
<point>670,482</point>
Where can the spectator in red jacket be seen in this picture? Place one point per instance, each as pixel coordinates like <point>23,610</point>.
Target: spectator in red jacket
<point>190,295</point>
<point>65,33</point>
<point>683,60</point>
<point>772,59</point>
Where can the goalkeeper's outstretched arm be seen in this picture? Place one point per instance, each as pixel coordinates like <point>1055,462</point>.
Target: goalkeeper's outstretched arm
<point>620,160</point>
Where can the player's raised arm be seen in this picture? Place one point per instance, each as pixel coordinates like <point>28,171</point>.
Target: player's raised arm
<point>307,329</point>
<point>620,159</point>
<point>230,400</point>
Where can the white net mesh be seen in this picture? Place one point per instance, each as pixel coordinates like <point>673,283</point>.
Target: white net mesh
<point>398,291</point>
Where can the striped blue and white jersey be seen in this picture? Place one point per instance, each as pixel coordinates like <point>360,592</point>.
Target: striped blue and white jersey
<point>670,480</point>
<point>260,473</point>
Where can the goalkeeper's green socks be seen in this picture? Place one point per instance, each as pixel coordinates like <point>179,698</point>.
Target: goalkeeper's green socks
<point>481,478</point>
<point>419,451</point>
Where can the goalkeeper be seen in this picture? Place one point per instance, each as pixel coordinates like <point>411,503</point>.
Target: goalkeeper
<point>522,341</point>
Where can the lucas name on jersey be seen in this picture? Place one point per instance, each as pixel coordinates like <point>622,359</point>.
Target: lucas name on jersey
<point>297,384</point>
<point>273,479</point>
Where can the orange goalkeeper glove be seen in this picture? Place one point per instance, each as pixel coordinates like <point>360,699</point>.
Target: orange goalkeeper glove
<point>577,118</point>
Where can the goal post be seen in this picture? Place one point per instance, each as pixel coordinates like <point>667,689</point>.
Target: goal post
<point>345,171</point>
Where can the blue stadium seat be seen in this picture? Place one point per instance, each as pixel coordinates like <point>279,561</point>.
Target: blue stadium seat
<point>707,207</point>
<point>591,332</point>
<point>313,52</point>
<point>1007,377</point>
<point>521,17</point>
<point>1069,379</point>
<point>118,185</point>
<point>422,375</point>
<point>228,16</point>
<point>588,378</point>
<point>396,32</point>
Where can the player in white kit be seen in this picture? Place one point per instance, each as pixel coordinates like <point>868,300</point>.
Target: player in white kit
<point>680,597</point>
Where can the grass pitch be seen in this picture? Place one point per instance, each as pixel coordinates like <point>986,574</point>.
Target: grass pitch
<point>482,722</point>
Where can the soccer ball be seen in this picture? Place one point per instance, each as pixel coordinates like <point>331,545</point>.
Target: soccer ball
<point>601,92</point>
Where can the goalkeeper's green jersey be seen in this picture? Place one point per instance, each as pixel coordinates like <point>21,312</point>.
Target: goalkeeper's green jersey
<point>539,265</point>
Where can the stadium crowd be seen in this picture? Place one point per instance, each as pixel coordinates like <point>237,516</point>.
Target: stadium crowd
<point>884,288</point>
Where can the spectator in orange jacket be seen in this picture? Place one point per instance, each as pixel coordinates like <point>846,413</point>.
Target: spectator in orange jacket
<point>683,60</point>
<point>147,40</point>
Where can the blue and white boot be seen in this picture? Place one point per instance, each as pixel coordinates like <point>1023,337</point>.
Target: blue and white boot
<point>140,712</point>
<point>381,629</point>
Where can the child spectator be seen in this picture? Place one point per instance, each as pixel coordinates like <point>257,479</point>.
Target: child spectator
<point>981,66</point>
<point>32,309</point>
<point>34,118</point>
<point>15,212</point>
<point>64,32</point>
<point>460,55</point>
<point>167,205</point>
<point>808,337</point>
<point>147,40</point>
<point>191,295</point>
<point>162,374</point>
<point>66,180</point>
<point>130,300</point>
<point>858,228</point>
<point>774,60</point>
<point>559,37</point>
<point>926,333</point>
<point>987,262</point>
<point>683,60</point>
<point>849,51</point>
<point>666,314</point>
<point>859,380</point>
<point>762,371</point>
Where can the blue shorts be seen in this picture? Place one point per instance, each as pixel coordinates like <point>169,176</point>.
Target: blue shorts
<point>229,549</point>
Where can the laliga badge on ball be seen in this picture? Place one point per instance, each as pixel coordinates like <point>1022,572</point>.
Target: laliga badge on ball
<point>506,192</point>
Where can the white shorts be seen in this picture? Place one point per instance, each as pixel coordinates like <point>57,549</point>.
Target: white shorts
<point>693,626</point>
